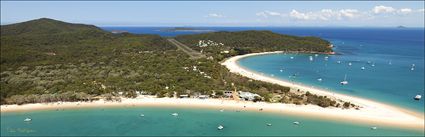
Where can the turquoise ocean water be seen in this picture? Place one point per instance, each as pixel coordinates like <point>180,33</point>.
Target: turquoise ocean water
<point>386,77</point>
<point>190,122</point>
<point>395,84</point>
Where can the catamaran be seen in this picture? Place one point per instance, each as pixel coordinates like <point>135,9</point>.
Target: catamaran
<point>345,82</point>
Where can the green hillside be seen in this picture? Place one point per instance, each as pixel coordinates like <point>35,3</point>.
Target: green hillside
<point>45,60</point>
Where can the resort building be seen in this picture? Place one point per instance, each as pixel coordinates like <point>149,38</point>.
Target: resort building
<point>247,96</point>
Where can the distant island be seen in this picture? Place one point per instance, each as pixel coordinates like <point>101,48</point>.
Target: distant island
<point>401,27</point>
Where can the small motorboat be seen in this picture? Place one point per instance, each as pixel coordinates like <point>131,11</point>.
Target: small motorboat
<point>339,62</point>
<point>291,57</point>
<point>269,124</point>
<point>221,110</point>
<point>320,79</point>
<point>373,128</point>
<point>316,55</point>
<point>373,65</point>
<point>27,119</point>
<point>363,68</point>
<point>220,127</point>
<point>296,123</point>
<point>281,70</point>
<point>418,97</point>
<point>345,82</point>
<point>349,64</point>
<point>175,114</point>
<point>311,58</point>
<point>142,115</point>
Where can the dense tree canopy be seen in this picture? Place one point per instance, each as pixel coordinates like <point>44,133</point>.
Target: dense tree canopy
<point>47,60</point>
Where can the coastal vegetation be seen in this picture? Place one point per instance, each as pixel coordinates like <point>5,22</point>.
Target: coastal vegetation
<point>47,60</point>
<point>244,42</point>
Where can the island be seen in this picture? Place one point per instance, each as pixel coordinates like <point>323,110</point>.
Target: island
<point>46,60</point>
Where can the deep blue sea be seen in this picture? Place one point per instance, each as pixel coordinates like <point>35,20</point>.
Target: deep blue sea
<point>393,83</point>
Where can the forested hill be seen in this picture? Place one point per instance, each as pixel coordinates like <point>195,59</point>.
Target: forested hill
<point>46,60</point>
<point>243,42</point>
<point>45,26</point>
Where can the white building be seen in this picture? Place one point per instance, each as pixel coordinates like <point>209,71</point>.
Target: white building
<point>247,95</point>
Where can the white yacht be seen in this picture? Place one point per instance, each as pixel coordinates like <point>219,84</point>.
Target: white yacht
<point>27,119</point>
<point>345,82</point>
<point>418,97</point>
<point>220,127</point>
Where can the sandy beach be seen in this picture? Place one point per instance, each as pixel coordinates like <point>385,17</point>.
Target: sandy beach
<point>371,113</point>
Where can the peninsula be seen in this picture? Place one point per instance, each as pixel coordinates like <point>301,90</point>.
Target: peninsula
<point>45,61</point>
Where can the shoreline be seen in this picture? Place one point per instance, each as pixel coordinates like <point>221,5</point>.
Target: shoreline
<point>372,110</point>
<point>307,111</point>
<point>371,113</point>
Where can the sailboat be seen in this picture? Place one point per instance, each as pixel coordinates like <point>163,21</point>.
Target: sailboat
<point>345,82</point>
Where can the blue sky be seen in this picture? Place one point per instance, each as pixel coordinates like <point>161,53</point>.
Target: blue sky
<point>209,13</point>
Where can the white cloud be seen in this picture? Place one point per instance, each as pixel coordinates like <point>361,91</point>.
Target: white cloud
<point>267,13</point>
<point>298,15</point>
<point>404,11</point>
<point>382,9</point>
<point>325,14</point>
<point>349,13</point>
<point>215,15</point>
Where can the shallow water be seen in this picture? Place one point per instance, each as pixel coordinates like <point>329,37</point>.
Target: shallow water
<point>393,83</point>
<point>194,122</point>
